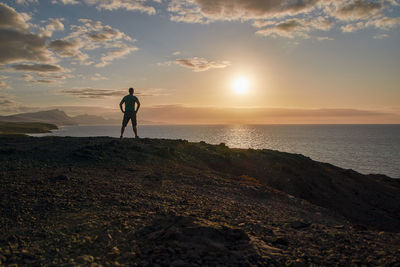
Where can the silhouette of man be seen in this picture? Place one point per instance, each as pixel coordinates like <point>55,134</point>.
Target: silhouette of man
<point>130,111</point>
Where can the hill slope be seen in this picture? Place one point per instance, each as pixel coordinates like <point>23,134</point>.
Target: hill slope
<point>54,116</point>
<point>148,201</point>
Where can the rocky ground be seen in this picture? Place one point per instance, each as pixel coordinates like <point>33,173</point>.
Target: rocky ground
<point>103,201</point>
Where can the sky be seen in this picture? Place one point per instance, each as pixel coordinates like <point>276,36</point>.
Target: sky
<point>296,61</point>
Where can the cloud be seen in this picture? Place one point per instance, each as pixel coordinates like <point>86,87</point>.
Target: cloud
<point>45,78</point>
<point>88,92</point>
<point>289,18</point>
<point>324,38</point>
<point>11,19</point>
<point>385,23</point>
<point>65,2</point>
<point>142,92</point>
<point>98,93</point>
<point>96,32</point>
<point>288,29</point>
<point>3,85</point>
<point>381,36</point>
<point>353,27</point>
<point>91,35</point>
<point>17,44</point>
<point>165,63</point>
<point>205,11</point>
<point>98,77</point>
<point>20,46</point>
<point>120,52</point>
<point>131,5</point>
<point>54,76</point>
<point>357,9</point>
<point>53,25</point>
<point>201,64</point>
<point>44,81</point>
<point>66,48</point>
<point>259,23</point>
<point>8,104</point>
<point>39,68</point>
<point>26,2</point>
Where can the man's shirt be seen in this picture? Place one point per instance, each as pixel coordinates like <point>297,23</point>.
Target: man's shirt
<point>129,101</point>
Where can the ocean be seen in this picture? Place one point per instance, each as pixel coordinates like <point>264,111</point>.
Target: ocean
<point>364,148</point>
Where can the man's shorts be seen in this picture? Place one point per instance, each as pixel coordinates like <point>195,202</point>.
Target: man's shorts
<point>129,115</point>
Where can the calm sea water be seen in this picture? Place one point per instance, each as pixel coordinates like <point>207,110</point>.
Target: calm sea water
<point>364,148</point>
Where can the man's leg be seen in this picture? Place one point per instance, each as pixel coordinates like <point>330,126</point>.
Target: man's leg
<point>122,131</point>
<point>134,123</point>
<point>125,121</point>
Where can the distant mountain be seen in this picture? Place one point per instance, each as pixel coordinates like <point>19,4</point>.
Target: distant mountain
<point>60,118</point>
<point>54,116</point>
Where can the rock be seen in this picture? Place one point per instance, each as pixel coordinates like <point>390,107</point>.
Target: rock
<point>178,263</point>
<point>281,241</point>
<point>172,237</point>
<point>299,224</point>
<point>85,259</point>
<point>58,178</point>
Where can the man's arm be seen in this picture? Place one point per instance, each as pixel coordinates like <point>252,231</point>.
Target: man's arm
<point>138,105</point>
<point>120,105</point>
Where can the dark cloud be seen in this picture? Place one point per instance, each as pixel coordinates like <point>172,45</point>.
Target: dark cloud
<point>44,81</point>
<point>89,92</point>
<point>20,46</point>
<point>17,44</point>
<point>66,48</point>
<point>201,64</point>
<point>204,11</point>
<point>358,9</point>
<point>287,18</point>
<point>45,78</point>
<point>289,29</point>
<point>11,19</point>
<point>38,68</point>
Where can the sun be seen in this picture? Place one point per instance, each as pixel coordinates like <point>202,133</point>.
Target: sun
<point>241,85</point>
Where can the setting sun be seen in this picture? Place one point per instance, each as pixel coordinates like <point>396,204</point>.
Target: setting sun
<point>241,85</point>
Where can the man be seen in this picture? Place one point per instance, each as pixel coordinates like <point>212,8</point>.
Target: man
<point>130,111</point>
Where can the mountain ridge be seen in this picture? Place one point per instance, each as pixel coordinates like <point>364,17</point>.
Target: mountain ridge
<point>60,118</point>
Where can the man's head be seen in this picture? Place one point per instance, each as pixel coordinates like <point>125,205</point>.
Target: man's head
<point>131,90</point>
